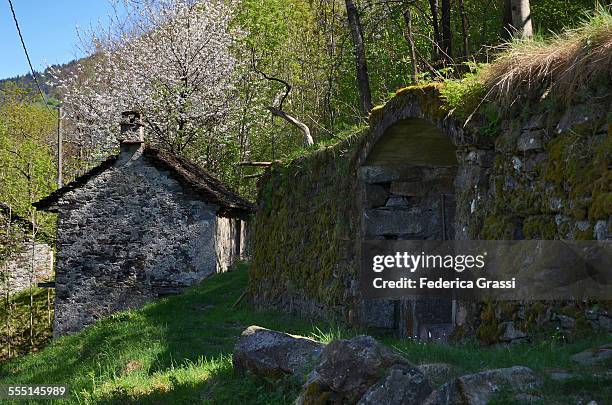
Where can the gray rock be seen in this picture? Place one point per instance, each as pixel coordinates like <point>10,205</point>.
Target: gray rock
<point>347,369</point>
<point>604,322</point>
<point>397,221</point>
<point>511,334</point>
<point>477,389</point>
<point>534,122</point>
<point>379,174</point>
<point>408,188</point>
<point>582,119</point>
<point>272,354</point>
<point>555,204</point>
<point>530,140</point>
<point>402,386</point>
<point>376,196</point>
<point>437,372</point>
<point>517,163</point>
<point>594,356</point>
<point>565,322</point>
<point>397,201</point>
<point>533,161</point>
<point>559,374</point>
<point>600,230</point>
<point>480,157</point>
<point>378,313</point>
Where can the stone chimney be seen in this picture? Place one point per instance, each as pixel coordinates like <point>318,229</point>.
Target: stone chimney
<point>132,135</point>
<point>132,129</point>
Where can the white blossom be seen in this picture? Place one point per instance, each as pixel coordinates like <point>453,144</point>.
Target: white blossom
<point>170,59</point>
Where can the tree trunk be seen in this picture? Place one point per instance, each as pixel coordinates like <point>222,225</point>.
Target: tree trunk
<point>446,31</point>
<point>363,80</point>
<point>433,5</point>
<point>464,30</point>
<point>410,39</point>
<point>517,19</point>
<point>506,30</point>
<point>521,18</point>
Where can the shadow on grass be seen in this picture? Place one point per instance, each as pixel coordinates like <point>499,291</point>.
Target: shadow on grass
<point>222,386</point>
<point>156,349</point>
<point>178,350</point>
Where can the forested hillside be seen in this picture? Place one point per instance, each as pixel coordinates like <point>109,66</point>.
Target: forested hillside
<point>324,64</point>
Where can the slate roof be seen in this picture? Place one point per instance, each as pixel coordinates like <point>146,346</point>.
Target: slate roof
<point>191,176</point>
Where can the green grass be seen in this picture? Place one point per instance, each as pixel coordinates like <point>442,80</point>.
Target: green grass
<point>539,356</point>
<point>178,350</point>
<point>172,350</point>
<point>15,339</point>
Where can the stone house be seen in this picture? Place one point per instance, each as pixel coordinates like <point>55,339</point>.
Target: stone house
<point>27,262</point>
<point>143,224</point>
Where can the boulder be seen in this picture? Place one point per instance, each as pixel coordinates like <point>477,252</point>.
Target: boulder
<point>477,389</point>
<point>271,354</point>
<point>595,356</point>
<point>347,369</point>
<point>402,385</point>
<point>437,372</point>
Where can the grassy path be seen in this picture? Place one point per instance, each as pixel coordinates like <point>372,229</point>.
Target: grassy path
<point>178,350</point>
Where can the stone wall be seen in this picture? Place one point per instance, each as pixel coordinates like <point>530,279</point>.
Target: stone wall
<point>129,234</point>
<point>304,236</point>
<point>31,265</point>
<point>547,175</point>
<point>540,171</point>
<point>310,220</point>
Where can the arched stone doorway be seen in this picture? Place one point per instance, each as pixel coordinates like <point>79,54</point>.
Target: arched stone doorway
<point>408,179</point>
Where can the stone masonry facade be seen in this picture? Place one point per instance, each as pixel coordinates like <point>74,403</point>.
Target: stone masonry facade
<point>32,264</point>
<point>142,225</point>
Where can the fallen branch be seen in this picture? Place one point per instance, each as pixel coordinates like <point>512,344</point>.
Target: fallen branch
<point>252,176</point>
<point>247,163</point>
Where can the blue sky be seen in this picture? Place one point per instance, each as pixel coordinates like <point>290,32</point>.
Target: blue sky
<point>49,31</point>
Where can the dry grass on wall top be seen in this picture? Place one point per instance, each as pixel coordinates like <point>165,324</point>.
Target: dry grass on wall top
<point>524,69</point>
<point>573,59</point>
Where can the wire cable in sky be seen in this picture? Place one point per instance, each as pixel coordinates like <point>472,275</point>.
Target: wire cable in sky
<point>42,94</point>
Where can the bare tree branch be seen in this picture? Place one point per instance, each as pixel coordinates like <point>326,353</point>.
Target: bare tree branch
<point>300,125</point>
<point>278,112</point>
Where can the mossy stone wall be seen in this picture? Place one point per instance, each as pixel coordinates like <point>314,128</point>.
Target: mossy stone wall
<point>305,235</point>
<point>542,171</point>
